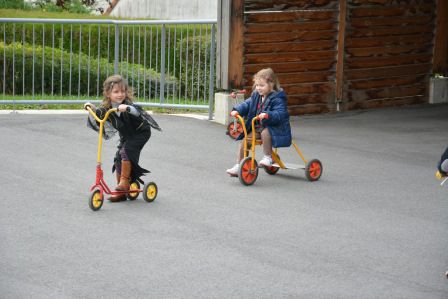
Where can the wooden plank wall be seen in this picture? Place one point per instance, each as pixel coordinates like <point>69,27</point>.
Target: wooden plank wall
<point>298,40</point>
<point>388,52</point>
<point>440,60</point>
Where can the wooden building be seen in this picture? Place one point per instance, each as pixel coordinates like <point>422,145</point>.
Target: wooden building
<point>335,55</point>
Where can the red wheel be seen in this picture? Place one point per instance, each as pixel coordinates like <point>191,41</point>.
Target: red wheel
<point>313,170</point>
<point>247,174</point>
<point>271,169</point>
<point>234,129</point>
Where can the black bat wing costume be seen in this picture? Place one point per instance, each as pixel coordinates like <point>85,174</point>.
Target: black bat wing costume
<point>134,132</point>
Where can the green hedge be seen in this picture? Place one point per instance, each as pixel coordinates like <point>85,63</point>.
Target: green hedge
<point>15,4</point>
<point>48,61</point>
<point>100,46</point>
<point>197,63</point>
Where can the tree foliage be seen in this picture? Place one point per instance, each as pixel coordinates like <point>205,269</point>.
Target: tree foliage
<point>74,6</point>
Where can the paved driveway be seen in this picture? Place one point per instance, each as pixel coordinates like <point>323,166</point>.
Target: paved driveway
<point>374,226</point>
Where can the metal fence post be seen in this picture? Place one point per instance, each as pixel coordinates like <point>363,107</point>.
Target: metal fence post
<point>116,48</point>
<point>211,84</point>
<point>162,65</point>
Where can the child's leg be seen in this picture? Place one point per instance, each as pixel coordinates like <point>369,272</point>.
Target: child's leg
<point>240,154</point>
<point>117,163</point>
<point>267,142</point>
<point>267,148</point>
<point>118,172</point>
<point>233,171</point>
<point>125,171</point>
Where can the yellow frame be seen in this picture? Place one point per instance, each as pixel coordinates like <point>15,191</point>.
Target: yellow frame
<point>255,142</point>
<point>101,122</point>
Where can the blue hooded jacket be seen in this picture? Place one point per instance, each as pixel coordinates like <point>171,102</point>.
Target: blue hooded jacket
<point>275,106</point>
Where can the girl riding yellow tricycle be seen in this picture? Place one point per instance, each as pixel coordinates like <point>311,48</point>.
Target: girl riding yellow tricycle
<point>248,168</point>
<point>267,124</point>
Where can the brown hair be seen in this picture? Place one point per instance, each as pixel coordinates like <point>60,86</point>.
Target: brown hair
<point>109,83</point>
<point>270,77</point>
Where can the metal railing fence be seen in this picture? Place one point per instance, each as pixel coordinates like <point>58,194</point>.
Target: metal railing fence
<point>169,64</point>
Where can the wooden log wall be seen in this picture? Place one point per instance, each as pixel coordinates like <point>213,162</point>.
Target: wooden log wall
<point>388,52</point>
<point>440,60</point>
<point>384,59</point>
<point>298,40</point>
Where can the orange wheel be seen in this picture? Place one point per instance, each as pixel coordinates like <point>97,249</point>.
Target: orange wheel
<point>234,129</point>
<point>272,169</point>
<point>313,170</point>
<point>248,174</point>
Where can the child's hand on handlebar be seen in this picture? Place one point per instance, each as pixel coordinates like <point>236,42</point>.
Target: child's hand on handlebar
<point>263,115</point>
<point>88,104</point>
<point>122,107</point>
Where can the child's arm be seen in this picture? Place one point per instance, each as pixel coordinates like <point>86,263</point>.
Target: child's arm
<point>132,110</point>
<point>243,108</point>
<point>128,108</point>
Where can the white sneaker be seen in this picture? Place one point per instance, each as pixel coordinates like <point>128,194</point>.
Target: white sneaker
<point>266,161</point>
<point>234,170</point>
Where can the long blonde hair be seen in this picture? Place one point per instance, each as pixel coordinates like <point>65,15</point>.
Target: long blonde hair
<point>270,77</point>
<point>109,83</point>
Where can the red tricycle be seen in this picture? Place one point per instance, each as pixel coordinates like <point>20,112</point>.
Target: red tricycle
<point>100,187</point>
<point>234,128</point>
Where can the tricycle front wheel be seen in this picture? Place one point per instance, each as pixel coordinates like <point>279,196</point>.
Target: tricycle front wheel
<point>96,200</point>
<point>248,173</point>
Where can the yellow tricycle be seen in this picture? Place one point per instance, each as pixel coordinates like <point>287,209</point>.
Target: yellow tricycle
<point>100,187</point>
<point>248,170</point>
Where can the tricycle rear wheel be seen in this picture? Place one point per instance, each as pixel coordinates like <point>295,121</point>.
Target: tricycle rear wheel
<point>150,192</point>
<point>134,186</point>
<point>313,170</point>
<point>272,169</point>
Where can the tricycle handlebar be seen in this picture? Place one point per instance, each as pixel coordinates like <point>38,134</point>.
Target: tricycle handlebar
<point>88,107</point>
<point>243,124</point>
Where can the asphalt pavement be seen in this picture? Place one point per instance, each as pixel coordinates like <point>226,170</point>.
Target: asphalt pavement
<point>374,226</point>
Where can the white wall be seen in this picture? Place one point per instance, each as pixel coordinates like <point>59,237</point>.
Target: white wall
<point>166,9</point>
